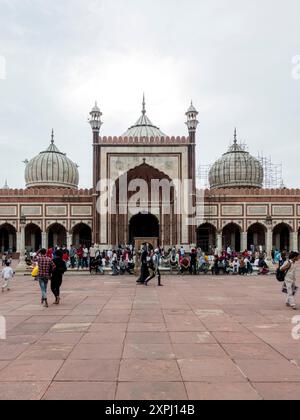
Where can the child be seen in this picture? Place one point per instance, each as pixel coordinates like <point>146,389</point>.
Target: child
<point>7,275</point>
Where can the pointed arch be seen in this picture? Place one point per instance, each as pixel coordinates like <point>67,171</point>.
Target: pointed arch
<point>281,237</point>
<point>8,238</point>
<point>231,236</point>
<point>33,237</point>
<point>57,235</point>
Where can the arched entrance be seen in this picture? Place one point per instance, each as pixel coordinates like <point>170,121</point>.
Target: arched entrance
<point>33,237</point>
<point>57,236</point>
<point>82,235</point>
<point>8,238</point>
<point>256,237</point>
<point>281,237</point>
<point>232,237</point>
<point>143,226</point>
<point>206,237</point>
<point>158,195</point>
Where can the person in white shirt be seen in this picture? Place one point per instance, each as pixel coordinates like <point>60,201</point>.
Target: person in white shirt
<point>92,254</point>
<point>289,267</point>
<point>85,257</point>
<point>236,266</point>
<point>7,275</point>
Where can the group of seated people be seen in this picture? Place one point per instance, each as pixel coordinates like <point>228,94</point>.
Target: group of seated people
<point>123,259</point>
<point>229,262</point>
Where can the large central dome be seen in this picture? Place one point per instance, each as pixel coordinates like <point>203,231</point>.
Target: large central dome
<point>236,169</point>
<point>144,127</point>
<point>51,168</point>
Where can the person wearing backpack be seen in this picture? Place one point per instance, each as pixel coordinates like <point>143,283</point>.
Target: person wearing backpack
<point>59,269</point>
<point>289,268</point>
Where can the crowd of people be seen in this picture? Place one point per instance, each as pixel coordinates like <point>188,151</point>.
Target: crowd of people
<point>50,265</point>
<point>122,260</point>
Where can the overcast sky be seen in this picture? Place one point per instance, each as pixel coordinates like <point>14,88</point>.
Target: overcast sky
<point>232,57</point>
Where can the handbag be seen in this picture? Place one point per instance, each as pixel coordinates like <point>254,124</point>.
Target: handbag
<point>35,272</point>
<point>280,275</point>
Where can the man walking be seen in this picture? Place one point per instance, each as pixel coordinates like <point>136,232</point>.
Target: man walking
<point>154,265</point>
<point>45,269</point>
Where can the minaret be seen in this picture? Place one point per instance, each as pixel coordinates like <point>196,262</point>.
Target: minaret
<point>192,124</point>
<point>96,123</point>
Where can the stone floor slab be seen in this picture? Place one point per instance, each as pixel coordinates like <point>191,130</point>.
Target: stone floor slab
<point>149,371</point>
<point>215,370</point>
<point>84,391</point>
<point>26,391</point>
<point>30,371</point>
<point>220,392</point>
<point>155,391</point>
<point>88,371</point>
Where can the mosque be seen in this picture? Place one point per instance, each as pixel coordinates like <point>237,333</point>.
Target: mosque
<point>235,211</point>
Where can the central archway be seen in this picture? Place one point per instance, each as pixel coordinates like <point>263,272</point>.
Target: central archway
<point>143,225</point>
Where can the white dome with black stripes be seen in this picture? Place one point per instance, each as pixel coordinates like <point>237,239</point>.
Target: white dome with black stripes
<point>51,168</point>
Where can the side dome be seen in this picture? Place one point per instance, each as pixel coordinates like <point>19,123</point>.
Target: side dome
<point>236,169</point>
<point>51,168</point>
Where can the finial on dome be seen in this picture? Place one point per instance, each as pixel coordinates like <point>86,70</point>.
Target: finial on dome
<point>144,105</point>
<point>52,136</point>
<point>235,136</point>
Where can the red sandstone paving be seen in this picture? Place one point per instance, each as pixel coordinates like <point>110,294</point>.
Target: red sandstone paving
<point>209,369</point>
<point>22,391</point>
<point>96,351</point>
<point>149,371</point>
<point>147,338</point>
<point>269,370</point>
<point>148,351</point>
<point>258,351</point>
<point>197,351</point>
<point>88,370</point>
<point>278,391</point>
<point>229,391</point>
<point>30,371</point>
<point>86,391</point>
<point>151,391</point>
<point>146,327</point>
<point>11,351</point>
<point>204,338</point>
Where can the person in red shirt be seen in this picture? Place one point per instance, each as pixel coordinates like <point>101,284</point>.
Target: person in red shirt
<point>80,256</point>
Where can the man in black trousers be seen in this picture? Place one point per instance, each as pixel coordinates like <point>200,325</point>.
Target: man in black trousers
<point>144,266</point>
<point>154,267</point>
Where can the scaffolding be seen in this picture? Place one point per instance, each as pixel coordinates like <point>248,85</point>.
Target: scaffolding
<point>273,173</point>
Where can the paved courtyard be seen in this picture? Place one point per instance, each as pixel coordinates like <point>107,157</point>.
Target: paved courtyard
<point>196,338</point>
